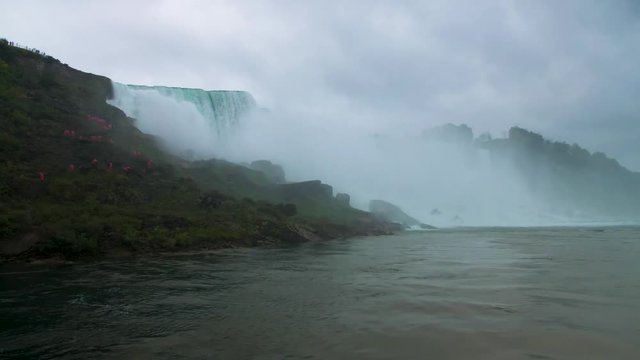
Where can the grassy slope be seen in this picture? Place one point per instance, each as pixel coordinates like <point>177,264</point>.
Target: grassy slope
<point>94,210</point>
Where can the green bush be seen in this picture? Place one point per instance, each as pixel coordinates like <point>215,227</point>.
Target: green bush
<point>70,244</point>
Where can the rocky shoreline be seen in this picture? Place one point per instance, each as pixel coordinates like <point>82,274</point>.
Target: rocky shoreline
<point>23,250</point>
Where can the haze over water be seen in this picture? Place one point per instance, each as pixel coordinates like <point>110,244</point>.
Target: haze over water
<point>494,293</point>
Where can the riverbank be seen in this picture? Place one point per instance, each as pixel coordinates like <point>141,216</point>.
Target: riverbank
<point>26,251</point>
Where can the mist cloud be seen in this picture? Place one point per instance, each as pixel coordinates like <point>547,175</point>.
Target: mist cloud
<point>566,69</point>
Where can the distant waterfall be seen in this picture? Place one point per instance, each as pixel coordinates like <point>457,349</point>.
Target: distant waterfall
<point>187,120</point>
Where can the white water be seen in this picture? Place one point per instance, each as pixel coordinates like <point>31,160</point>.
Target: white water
<point>439,183</point>
<point>191,122</point>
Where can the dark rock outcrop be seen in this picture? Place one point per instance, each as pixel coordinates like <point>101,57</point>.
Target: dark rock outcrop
<point>273,172</point>
<point>343,199</point>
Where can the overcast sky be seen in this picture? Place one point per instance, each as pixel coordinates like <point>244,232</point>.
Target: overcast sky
<point>567,69</point>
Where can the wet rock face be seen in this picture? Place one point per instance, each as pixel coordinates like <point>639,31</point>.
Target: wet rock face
<point>343,198</point>
<point>305,232</point>
<point>392,213</point>
<point>313,189</point>
<point>273,172</point>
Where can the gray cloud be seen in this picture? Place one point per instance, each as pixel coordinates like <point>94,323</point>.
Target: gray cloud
<point>567,69</point>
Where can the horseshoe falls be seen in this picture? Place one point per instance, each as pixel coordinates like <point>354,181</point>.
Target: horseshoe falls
<point>190,122</point>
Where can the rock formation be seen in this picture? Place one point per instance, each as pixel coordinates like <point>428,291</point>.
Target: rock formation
<point>390,212</point>
<point>273,172</point>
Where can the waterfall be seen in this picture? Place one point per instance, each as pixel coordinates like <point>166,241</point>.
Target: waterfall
<point>187,120</point>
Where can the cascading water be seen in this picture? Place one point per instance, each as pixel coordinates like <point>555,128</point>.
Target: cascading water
<point>440,177</point>
<point>189,121</point>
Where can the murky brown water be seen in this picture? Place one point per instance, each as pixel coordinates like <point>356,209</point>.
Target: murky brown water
<point>564,293</point>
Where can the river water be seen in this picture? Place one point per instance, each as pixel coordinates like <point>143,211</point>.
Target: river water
<point>541,293</point>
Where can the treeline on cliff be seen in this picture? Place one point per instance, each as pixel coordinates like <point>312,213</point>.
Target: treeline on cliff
<point>563,175</point>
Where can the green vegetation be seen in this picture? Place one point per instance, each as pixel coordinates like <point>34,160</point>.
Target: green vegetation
<point>77,179</point>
